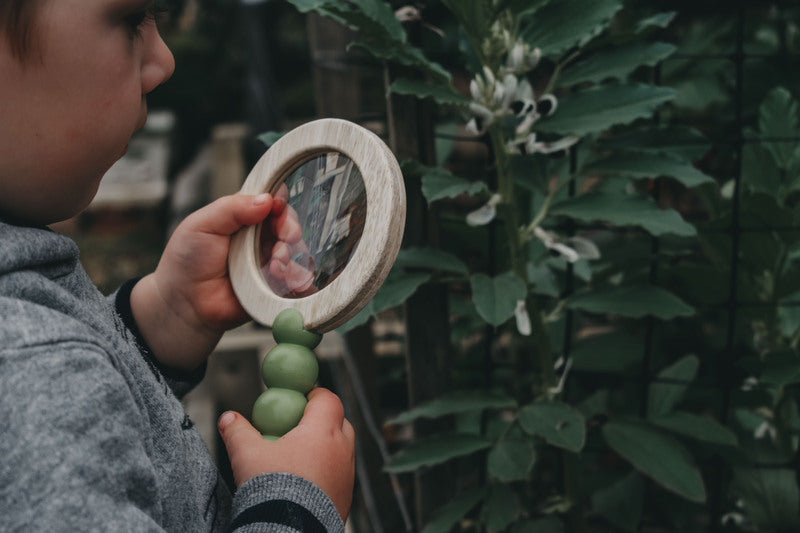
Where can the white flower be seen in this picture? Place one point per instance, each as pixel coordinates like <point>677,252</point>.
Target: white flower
<point>765,429</point>
<point>571,248</point>
<point>521,57</point>
<point>482,119</point>
<point>522,318</point>
<point>563,379</point>
<point>407,13</point>
<point>510,86</point>
<point>529,145</point>
<point>735,519</point>
<point>486,213</point>
<point>749,383</point>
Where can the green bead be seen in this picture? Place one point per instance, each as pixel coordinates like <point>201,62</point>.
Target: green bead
<point>270,438</point>
<point>288,327</point>
<point>277,411</point>
<point>290,366</point>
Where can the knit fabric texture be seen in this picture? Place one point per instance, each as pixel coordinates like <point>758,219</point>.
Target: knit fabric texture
<point>94,436</point>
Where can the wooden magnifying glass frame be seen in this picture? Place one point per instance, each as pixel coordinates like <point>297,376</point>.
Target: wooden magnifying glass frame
<point>376,251</point>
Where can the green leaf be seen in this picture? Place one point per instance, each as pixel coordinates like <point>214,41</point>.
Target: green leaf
<point>700,91</point>
<point>659,20</point>
<point>557,423</point>
<point>663,397</point>
<point>398,289</point>
<point>304,6</point>
<point>454,403</point>
<point>381,13</point>
<point>778,118</point>
<point>595,404</point>
<point>633,301</point>
<point>606,353</point>
<point>438,183</point>
<point>429,259</point>
<point>769,496</point>
<point>333,9</point>
<point>635,165</point>
<point>543,280</point>
<point>270,137</point>
<point>599,108</point>
<point>684,142</point>
<point>781,367</point>
<point>394,291</point>
<point>404,54</point>
<point>621,503</point>
<point>563,24</point>
<point>627,210</point>
<point>511,459</point>
<point>442,94</point>
<point>435,450</point>
<point>500,509</point>
<point>496,298</point>
<point>617,63</point>
<point>697,427</point>
<point>475,16</point>
<point>760,172</point>
<point>516,7</point>
<point>452,512</point>
<point>658,456</point>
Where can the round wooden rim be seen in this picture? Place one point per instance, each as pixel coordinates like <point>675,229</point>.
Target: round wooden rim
<point>375,253</point>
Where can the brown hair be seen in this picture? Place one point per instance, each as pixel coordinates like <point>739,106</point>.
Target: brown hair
<point>17,20</point>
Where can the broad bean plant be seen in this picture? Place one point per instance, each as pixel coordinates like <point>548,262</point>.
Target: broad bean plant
<point>590,417</point>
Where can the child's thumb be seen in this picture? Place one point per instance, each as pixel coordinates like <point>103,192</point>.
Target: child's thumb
<point>241,439</point>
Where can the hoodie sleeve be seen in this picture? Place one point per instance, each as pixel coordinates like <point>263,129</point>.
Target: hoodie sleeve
<point>73,455</point>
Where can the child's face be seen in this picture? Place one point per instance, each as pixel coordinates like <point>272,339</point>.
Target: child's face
<point>68,111</point>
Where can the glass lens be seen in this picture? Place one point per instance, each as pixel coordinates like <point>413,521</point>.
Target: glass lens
<point>315,225</point>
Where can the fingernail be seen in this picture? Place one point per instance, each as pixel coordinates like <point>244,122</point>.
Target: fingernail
<point>226,419</point>
<point>261,199</point>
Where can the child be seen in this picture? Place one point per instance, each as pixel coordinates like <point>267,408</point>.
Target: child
<point>93,433</point>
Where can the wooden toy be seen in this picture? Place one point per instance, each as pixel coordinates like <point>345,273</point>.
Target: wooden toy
<point>315,263</point>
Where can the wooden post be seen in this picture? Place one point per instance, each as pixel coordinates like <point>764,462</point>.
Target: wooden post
<point>336,76</point>
<point>428,349</point>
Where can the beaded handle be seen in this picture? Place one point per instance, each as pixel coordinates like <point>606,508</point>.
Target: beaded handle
<point>289,371</point>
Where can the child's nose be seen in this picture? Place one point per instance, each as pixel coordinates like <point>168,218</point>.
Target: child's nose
<point>158,64</point>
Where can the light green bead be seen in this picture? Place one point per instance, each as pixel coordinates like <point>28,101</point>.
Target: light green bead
<point>290,366</point>
<point>288,327</point>
<point>278,410</point>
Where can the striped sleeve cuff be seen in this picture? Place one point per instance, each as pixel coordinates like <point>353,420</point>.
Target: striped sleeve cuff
<point>180,381</point>
<point>283,503</point>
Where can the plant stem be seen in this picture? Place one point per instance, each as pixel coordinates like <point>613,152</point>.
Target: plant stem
<point>508,213</point>
<point>552,81</point>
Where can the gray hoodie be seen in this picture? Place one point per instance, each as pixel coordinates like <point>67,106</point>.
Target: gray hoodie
<point>93,436</point>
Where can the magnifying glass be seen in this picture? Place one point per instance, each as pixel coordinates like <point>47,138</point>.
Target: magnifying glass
<point>326,249</point>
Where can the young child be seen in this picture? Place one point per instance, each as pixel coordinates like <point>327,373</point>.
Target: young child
<point>94,437</point>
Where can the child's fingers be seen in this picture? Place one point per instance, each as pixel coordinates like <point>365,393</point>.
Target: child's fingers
<point>243,443</point>
<point>324,410</point>
<point>229,214</point>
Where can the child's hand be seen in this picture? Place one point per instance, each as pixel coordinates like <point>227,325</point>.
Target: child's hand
<point>183,308</point>
<point>320,449</point>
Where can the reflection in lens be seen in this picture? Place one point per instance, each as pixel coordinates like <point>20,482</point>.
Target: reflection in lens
<point>305,246</point>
